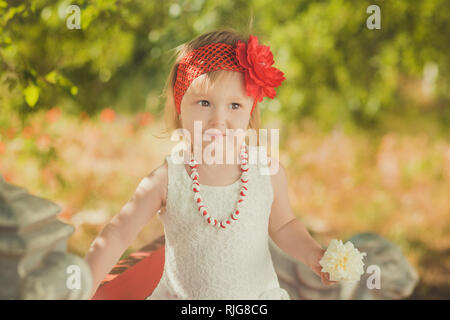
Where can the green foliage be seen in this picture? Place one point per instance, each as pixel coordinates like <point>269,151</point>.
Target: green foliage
<point>345,72</point>
<point>337,70</point>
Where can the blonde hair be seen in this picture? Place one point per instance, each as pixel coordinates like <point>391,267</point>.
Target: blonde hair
<point>224,35</point>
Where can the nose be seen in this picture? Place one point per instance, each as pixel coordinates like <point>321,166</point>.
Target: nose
<point>218,118</point>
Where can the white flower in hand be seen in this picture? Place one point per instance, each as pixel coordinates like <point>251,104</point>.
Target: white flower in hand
<point>343,262</point>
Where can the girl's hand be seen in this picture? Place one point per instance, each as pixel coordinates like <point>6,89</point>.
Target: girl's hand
<point>316,267</point>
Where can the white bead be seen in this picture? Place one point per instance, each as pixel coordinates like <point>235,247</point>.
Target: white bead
<point>197,196</point>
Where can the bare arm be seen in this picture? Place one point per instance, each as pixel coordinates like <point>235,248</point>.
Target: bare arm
<point>124,227</point>
<point>285,230</point>
<point>288,232</point>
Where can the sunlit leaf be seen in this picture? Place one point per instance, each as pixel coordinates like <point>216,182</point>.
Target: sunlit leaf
<point>31,94</point>
<point>52,77</point>
<point>74,90</point>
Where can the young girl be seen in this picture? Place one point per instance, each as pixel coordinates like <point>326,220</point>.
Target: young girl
<point>217,216</point>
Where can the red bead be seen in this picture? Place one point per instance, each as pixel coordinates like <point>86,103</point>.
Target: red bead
<point>195,177</point>
<point>240,200</point>
<point>244,187</point>
<point>198,200</point>
<point>205,213</point>
<point>237,212</point>
<point>195,190</point>
<point>233,218</point>
<point>228,221</point>
<point>243,194</point>
<point>222,225</point>
<point>244,181</point>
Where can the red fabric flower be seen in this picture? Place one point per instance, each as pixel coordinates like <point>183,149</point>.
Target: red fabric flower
<point>260,77</point>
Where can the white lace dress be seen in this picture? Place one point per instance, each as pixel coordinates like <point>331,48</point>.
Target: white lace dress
<point>203,262</point>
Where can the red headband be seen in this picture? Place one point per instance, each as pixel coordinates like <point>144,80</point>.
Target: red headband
<point>254,60</point>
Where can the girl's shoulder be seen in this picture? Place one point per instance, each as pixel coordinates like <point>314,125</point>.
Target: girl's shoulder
<point>277,174</point>
<point>159,178</point>
<point>269,166</point>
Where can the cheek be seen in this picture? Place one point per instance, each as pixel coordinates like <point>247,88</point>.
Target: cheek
<point>191,123</point>
<point>243,120</point>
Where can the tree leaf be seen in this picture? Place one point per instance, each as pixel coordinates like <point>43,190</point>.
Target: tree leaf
<point>74,90</point>
<point>31,94</point>
<point>52,77</point>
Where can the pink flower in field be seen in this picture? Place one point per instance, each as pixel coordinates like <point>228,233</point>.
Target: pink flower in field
<point>53,115</point>
<point>43,142</point>
<point>66,214</point>
<point>145,118</point>
<point>7,176</point>
<point>28,132</point>
<point>8,133</point>
<point>108,115</point>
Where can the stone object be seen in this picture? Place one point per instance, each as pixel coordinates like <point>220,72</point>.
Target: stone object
<point>34,262</point>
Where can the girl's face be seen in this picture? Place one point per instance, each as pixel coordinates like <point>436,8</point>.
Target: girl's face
<point>222,104</point>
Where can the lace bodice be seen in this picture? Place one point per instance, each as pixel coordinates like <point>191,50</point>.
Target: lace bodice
<point>204,262</point>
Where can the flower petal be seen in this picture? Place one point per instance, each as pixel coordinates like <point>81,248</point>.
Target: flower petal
<point>255,78</point>
<point>241,54</point>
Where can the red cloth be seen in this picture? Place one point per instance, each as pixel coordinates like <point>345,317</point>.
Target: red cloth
<point>136,282</point>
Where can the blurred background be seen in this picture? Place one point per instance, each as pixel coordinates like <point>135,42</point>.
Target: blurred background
<point>364,114</point>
